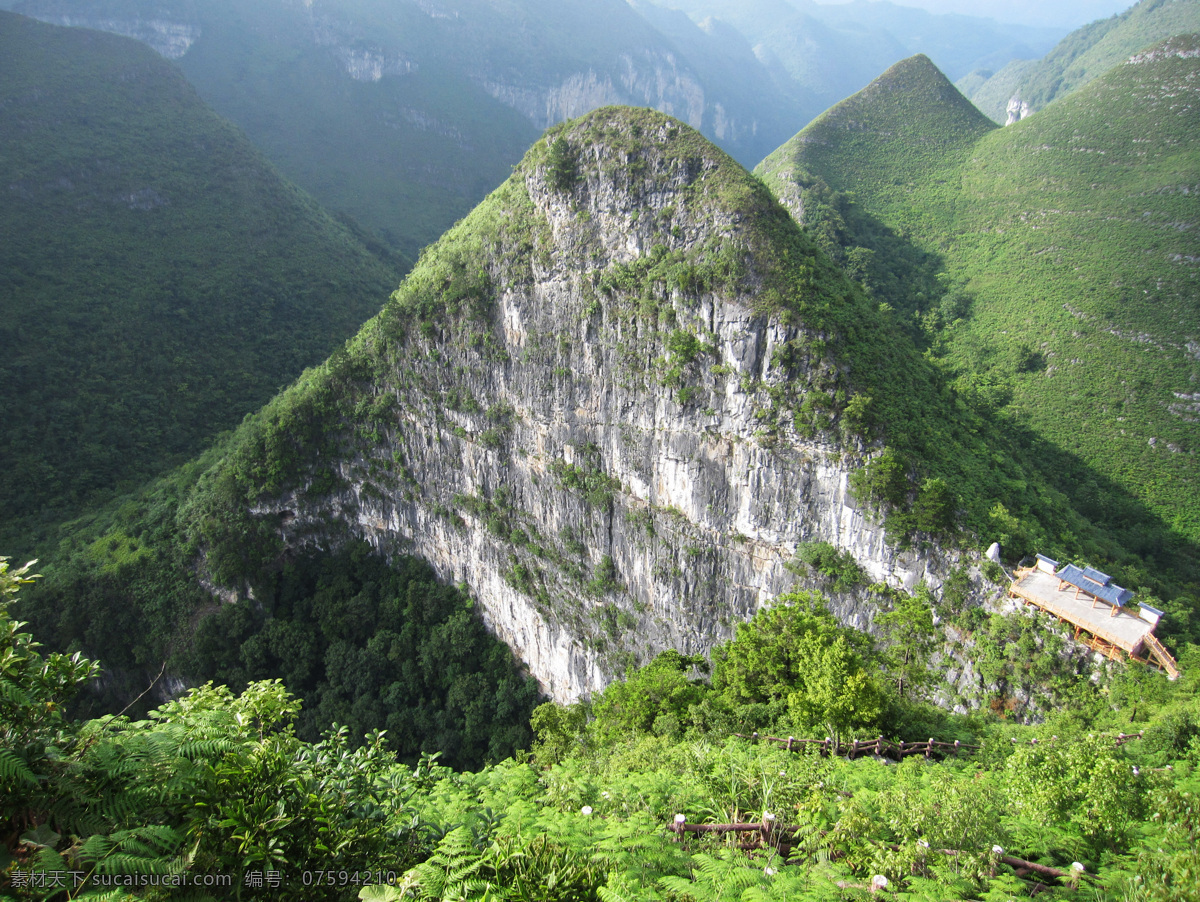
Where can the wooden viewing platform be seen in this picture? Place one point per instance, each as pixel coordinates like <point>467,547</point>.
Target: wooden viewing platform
<point>1099,623</point>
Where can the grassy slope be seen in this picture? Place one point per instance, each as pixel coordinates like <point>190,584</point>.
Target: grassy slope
<point>158,279</point>
<point>1071,232</point>
<point>1080,206</point>
<point>923,125</point>
<point>1089,52</point>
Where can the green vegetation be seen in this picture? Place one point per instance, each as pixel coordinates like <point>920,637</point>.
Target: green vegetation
<point>362,643</point>
<point>562,165</point>
<point>158,279</point>
<point>1086,54</point>
<point>372,646</point>
<point>839,567</point>
<point>219,783</point>
<point>1043,275</point>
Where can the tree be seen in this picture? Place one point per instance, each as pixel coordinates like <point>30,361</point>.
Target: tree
<point>908,633</point>
<point>935,507</point>
<point>655,697</point>
<point>795,656</point>
<point>33,693</point>
<point>883,482</point>
<point>562,165</point>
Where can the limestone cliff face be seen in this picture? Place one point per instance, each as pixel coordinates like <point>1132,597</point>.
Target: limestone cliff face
<point>606,459</point>
<point>653,78</point>
<point>169,38</point>
<point>1016,110</point>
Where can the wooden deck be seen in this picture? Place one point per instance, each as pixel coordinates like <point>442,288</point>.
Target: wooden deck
<point>1113,632</point>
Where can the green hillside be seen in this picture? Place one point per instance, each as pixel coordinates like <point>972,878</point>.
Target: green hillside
<point>1064,250</point>
<point>158,279</point>
<point>913,111</point>
<point>1086,54</point>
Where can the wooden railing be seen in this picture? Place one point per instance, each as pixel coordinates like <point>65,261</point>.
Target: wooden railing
<point>768,834</point>
<point>879,747</point>
<point>1163,656</point>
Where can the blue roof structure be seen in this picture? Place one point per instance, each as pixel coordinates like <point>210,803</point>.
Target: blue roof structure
<point>1105,591</point>
<point>1053,563</point>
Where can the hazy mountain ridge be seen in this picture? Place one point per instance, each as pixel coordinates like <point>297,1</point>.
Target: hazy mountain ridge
<point>834,50</point>
<point>1087,53</point>
<point>444,96</point>
<point>158,279</point>
<point>405,115</point>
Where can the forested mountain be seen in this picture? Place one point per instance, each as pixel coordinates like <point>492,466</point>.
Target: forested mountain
<point>1024,86</point>
<point>405,114</point>
<point>158,279</point>
<point>622,402</point>
<point>1051,264</point>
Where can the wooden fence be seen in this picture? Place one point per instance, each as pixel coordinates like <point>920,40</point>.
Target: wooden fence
<point>898,751</point>
<point>784,839</point>
<point>880,747</point>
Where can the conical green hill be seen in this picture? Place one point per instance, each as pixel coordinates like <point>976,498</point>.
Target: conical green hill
<point>1059,276</point>
<point>889,135</point>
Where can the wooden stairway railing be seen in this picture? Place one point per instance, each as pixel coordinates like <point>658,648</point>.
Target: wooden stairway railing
<point>1163,656</point>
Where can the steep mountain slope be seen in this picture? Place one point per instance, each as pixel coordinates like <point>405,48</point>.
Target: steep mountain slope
<point>912,110</point>
<point>614,402</point>
<point>405,114</point>
<point>158,279</point>
<point>1071,238</point>
<point>1087,53</point>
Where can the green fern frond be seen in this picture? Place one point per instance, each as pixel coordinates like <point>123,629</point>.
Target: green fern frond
<point>14,768</point>
<point>13,694</point>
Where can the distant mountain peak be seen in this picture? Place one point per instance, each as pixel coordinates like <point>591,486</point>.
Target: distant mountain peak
<point>907,98</point>
<point>912,110</point>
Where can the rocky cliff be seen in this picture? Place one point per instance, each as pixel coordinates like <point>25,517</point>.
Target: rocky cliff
<point>611,402</point>
<point>649,78</point>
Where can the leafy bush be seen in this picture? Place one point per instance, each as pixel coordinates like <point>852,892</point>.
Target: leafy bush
<point>839,567</point>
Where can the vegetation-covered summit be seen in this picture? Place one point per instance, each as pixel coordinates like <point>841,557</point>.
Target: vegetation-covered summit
<point>1056,277</point>
<point>158,279</point>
